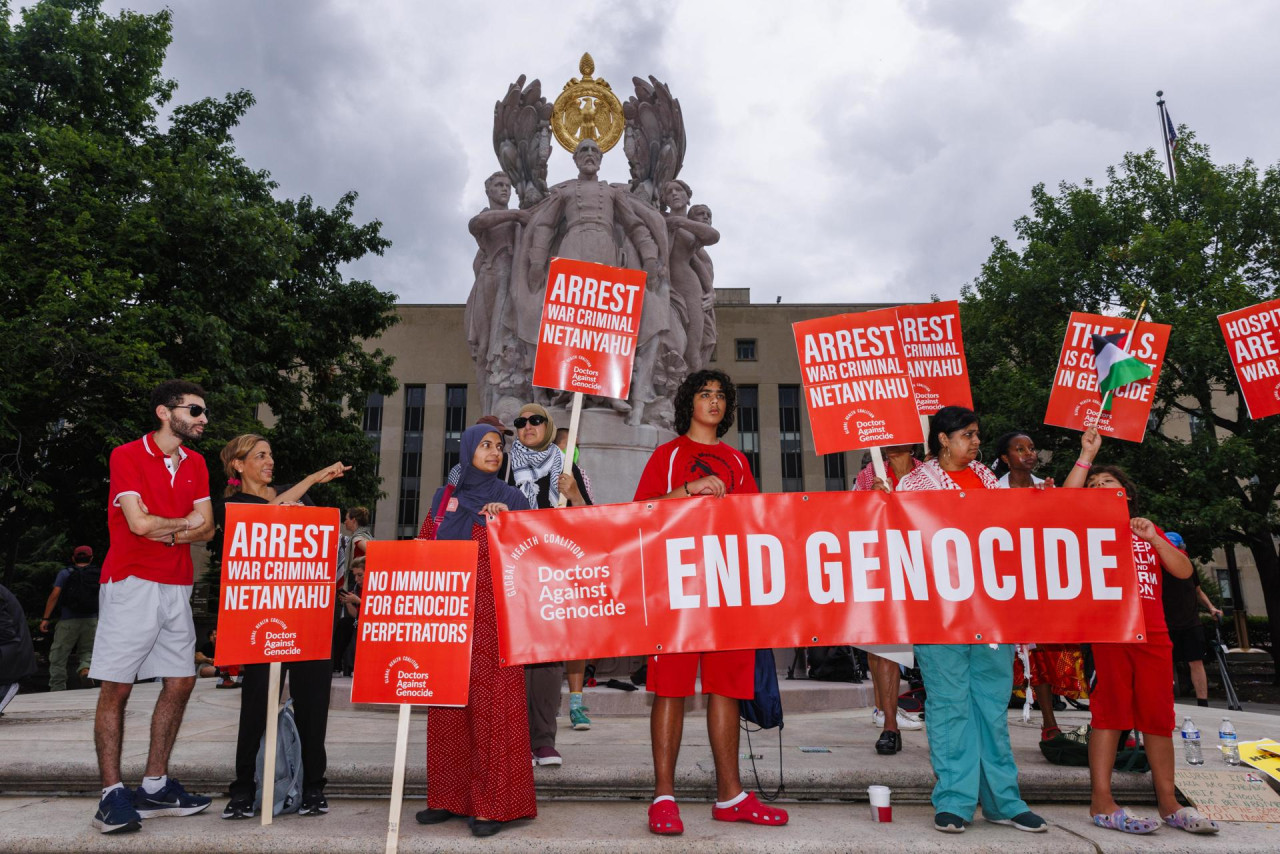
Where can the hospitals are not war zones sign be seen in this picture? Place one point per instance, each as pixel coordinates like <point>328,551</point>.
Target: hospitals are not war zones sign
<point>278,584</point>
<point>857,389</point>
<point>1251,335</point>
<point>1074,400</point>
<point>934,350</point>
<point>590,322</point>
<point>946,566</point>
<point>417,612</point>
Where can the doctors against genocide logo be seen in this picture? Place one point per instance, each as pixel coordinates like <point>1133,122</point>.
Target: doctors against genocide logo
<point>409,677</point>
<point>276,638</point>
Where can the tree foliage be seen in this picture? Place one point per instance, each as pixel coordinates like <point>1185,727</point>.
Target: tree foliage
<point>131,253</point>
<point>1194,249</point>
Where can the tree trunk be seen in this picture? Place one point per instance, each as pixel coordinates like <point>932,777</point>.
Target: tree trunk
<point>1268,563</point>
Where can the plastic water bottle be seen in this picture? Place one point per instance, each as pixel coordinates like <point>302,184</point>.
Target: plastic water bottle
<point>1228,743</point>
<point>1191,743</point>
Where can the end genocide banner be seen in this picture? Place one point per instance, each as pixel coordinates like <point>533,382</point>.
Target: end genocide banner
<point>934,350</point>
<point>1251,335</point>
<point>1074,400</point>
<point>754,571</point>
<point>417,611</point>
<point>590,321</point>
<point>856,386</point>
<point>278,584</point>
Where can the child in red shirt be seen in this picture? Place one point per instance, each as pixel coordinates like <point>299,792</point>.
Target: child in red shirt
<point>1134,680</point>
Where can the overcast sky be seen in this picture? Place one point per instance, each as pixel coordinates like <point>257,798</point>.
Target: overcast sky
<point>850,151</point>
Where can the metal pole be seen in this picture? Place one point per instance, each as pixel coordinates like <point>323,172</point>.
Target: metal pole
<point>1164,135</point>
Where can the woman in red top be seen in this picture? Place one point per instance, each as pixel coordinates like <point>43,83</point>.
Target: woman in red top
<point>1134,687</point>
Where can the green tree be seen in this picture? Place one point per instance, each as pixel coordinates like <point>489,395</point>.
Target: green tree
<point>1207,244</point>
<point>130,254</point>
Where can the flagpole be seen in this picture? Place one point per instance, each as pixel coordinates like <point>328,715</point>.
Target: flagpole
<point>1127,342</point>
<point>1164,134</point>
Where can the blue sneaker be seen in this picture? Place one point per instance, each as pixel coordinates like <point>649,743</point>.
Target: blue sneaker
<point>116,813</point>
<point>171,800</point>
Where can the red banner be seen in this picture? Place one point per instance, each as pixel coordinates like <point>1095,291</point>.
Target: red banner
<point>1074,401</point>
<point>590,320</point>
<point>413,639</point>
<point>934,350</point>
<point>1255,354</point>
<point>279,567</point>
<point>754,571</point>
<point>856,386</point>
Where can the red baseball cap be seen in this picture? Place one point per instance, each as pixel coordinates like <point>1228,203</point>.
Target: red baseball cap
<point>82,551</point>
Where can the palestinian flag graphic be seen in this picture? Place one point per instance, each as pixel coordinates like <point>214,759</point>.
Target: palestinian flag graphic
<point>1116,366</point>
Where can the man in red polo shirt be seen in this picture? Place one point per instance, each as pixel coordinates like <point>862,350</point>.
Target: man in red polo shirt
<point>159,505</point>
<point>699,466</point>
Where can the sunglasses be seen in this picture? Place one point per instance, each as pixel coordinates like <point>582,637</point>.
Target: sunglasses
<point>535,420</point>
<point>195,409</point>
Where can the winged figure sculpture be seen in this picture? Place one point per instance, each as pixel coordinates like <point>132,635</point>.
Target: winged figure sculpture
<point>654,142</point>
<point>522,139</point>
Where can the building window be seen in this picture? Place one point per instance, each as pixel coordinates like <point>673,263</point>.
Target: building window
<point>833,467</point>
<point>372,422</point>
<point>455,421</point>
<point>745,349</point>
<point>749,426</point>
<point>789,434</point>
<point>415,398</point>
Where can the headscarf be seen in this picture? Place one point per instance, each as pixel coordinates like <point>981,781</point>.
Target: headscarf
<point>530,465</point>
<point>475,489</point>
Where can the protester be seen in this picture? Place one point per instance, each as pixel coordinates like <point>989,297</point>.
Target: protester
<point>575,671</point>
<point>1182,598</point>
<point>478,756</point>
<point>17,655</point>
<point>349,601</point>
<point>1055,669</point>
<point>1134,688</point>
<point>250,469</point>
<point>967,686</point>
<point>886,660</point>
<point>75,590</point>
<point>697,465</point>
<point>354,539</point>
<point>159,505</point>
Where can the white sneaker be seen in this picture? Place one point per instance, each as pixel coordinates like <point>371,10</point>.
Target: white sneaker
<point>906,720</point>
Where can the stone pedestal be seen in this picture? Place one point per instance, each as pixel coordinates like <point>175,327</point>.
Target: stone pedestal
<point>613,453</point>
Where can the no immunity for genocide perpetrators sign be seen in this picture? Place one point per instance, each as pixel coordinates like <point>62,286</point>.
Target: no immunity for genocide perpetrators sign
<point>934,350</point>
<point>278,584</point>
<point>1074,400</point>
<point>590,322</point>
<point>417,614</point>
<point>856,386</point>
<point>1251,336</point>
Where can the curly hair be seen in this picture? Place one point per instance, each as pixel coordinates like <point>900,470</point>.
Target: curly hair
<point>1130,488</point>
<point>1000,467</point>
<point>237,449</point>
<point>694,383</point>
<point>170,393</point>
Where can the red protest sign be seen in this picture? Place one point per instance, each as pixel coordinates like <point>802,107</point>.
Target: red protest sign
<point>590,320</point>
<point>413,639</point>
<point>934,350</point>
<point>1251,335</point>
<point>1075,402</point>
<point>851,567</point>
<point>278,584</point>
<point>856,385</point>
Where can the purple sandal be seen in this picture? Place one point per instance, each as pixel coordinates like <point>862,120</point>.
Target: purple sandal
<point>1191,821</point>
<point>1125,822</point>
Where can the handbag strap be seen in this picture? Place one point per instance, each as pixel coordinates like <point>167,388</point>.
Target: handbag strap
<point>444,505</point>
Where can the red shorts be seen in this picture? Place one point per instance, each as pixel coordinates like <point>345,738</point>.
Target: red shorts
<point>1135,686</point>
<point>731,673</point>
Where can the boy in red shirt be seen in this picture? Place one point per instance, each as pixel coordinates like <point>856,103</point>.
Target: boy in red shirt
<point>159,506</point>
<point>697,465</point>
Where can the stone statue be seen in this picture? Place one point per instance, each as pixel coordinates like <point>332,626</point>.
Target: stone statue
<point>496,230</point>
<point>689,288</point>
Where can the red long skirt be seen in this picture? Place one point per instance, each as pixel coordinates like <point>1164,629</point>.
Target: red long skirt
<point>478,757</point>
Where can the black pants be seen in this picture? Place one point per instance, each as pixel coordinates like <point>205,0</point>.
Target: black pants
<point>309,683</point>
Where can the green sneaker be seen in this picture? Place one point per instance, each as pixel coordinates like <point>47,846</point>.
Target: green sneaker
<point>578,718</point>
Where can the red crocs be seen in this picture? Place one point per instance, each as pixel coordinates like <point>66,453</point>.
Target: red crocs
<point>664,818</point>
<point>750,809</point>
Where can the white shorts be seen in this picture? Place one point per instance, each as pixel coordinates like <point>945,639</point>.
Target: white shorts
<point>145,630</point>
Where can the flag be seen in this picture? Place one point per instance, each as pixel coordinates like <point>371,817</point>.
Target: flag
<point>1116,366</point>
<point>1170,135</point>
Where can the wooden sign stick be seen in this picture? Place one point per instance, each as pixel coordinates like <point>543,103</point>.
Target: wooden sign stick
<point>575,415</point>
<point>269,743</point>
<point>397,779</point>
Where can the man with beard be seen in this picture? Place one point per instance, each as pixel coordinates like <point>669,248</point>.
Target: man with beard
<point>159,505</point>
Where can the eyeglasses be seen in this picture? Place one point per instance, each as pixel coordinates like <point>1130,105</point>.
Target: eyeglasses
<point>535,420</point>
<point>195,409</point>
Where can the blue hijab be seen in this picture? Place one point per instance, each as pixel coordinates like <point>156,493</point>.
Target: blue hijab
<point>475,489</point>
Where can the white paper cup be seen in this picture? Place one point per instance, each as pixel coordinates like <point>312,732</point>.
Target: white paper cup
<point>880,808</point>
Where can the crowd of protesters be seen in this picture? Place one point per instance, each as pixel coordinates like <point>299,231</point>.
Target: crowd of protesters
<point>480,757</point>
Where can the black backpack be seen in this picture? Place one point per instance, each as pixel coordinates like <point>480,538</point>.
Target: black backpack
<point>80,592</point>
